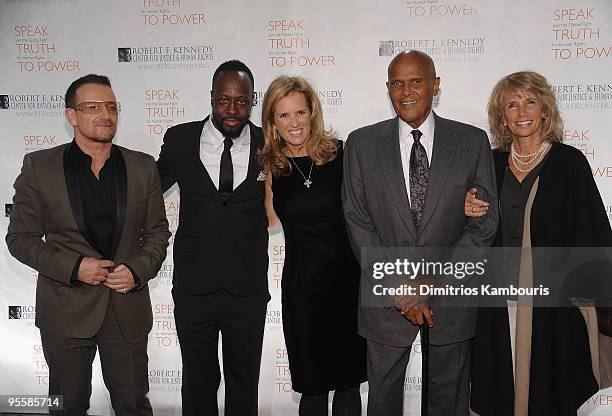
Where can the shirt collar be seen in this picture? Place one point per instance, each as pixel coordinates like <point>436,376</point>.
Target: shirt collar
<point>427,129</point>
<point>77,154</point>
<point>216,138</point>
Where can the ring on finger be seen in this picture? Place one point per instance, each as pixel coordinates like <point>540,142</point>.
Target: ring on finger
<point>474,209</point>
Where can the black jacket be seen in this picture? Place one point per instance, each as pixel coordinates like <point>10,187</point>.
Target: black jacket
<point>221,241</point>
<point>567,212</point>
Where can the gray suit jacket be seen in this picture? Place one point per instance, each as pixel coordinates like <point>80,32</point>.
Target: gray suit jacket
<point>377,212</point>
<point>47,232</point>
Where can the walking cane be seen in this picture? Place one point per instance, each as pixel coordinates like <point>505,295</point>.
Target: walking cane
<point>424,368</point>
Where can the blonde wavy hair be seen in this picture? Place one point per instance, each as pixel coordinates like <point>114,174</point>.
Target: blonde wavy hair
<point>520,83</point>
<point>321,145</point>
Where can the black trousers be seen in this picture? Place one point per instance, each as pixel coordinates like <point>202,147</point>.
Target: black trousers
<point>240,320</point>
<point>124,369</point>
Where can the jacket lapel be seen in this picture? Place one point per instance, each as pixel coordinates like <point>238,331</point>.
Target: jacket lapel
<point>390,161</point>
<point>193,158</point>
<point>73,184</point>
<point>120,196</point>
<point>500,158</point>
<point>254,168</point>
<point>443,153</point>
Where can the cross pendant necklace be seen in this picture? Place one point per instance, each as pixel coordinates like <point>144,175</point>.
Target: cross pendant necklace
<point>307,181</point>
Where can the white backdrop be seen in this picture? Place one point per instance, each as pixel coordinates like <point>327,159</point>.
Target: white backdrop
<point>160,56</point>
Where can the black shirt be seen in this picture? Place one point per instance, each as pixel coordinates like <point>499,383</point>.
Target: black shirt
<point>512,204</point>
<point>98,197</point>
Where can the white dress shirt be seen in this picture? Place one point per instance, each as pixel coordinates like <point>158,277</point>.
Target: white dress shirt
<point>211,147</point>
<point>406,140</point>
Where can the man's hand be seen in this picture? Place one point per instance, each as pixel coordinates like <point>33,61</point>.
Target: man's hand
<point>120,279</point>
<point>93,271</point>
<point>418,315</point>
<point>408,301</point>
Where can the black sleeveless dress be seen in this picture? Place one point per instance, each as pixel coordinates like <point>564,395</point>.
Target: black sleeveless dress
<point>320,280</point>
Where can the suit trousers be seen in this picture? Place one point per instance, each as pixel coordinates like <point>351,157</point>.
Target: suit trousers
<point>124,369</point>
<point>449,379</point>
<point>240,320</point>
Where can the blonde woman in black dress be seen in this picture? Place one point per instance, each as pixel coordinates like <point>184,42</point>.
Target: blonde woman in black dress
<point>320,275</point>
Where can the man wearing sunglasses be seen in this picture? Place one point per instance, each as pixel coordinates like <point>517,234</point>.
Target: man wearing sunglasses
<point>89,217</point>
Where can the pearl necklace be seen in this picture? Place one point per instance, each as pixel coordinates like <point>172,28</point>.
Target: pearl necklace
<point>307,181</point>
<point>537,157</point>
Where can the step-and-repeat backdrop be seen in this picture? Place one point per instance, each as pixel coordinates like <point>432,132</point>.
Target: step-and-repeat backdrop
<point>160,56</point>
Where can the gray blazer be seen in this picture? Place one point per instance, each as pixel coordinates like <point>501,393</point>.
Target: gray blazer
<point>377,212</point>
<point>47,232</point>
